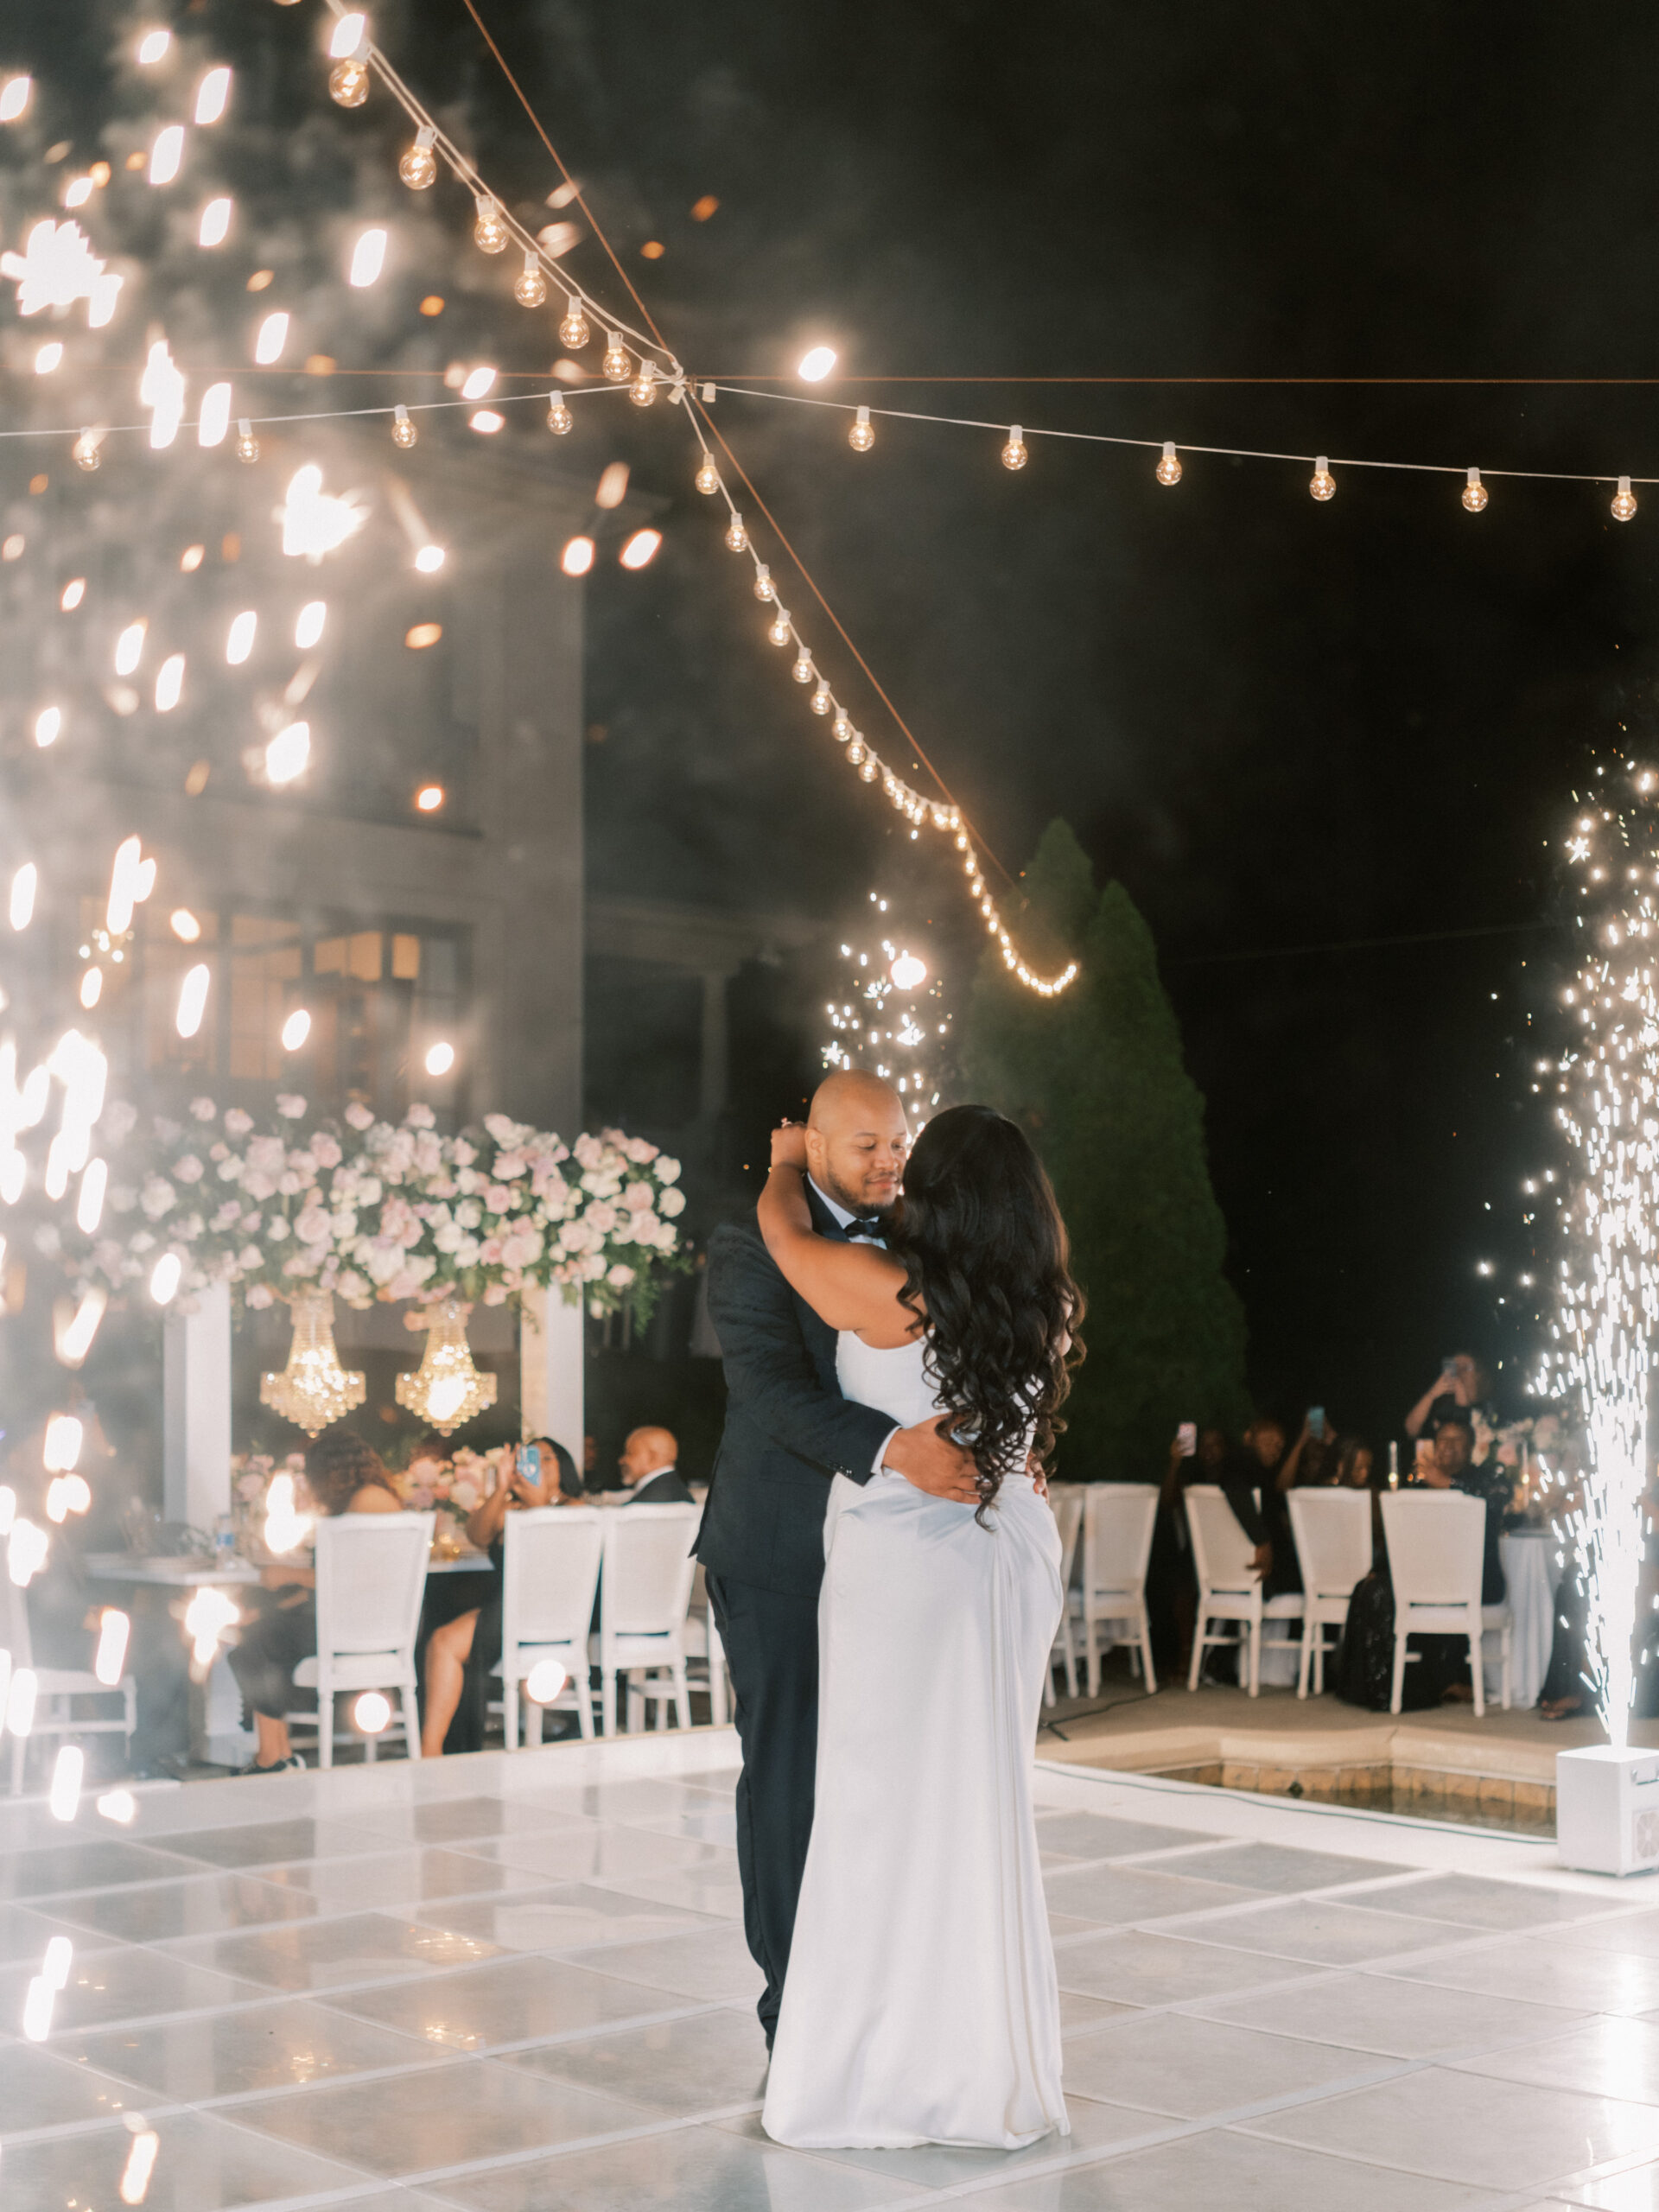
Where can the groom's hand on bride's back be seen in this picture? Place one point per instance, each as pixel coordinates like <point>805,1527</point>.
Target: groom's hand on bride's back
<point>930,1460</point>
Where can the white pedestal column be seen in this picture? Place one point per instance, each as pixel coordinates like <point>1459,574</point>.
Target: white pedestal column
<point>549,1373</point>
<point>196,1411</point>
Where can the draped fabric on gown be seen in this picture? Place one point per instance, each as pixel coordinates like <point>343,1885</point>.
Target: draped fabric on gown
<point>921,2003</point>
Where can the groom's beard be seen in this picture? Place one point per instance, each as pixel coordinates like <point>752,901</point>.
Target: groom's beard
<point>882,1208</point>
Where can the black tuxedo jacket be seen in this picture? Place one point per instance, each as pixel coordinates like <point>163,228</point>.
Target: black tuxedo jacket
<point>664,1489</point>
<point>788,1429</point>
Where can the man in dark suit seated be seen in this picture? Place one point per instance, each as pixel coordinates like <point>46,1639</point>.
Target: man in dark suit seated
<point>649,1472</point>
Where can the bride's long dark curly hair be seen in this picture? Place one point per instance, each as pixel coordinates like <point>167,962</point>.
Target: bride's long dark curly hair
<point>988,1268</point>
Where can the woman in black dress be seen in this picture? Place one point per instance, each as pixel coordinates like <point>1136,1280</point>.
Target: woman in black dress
<point>460,1653</point>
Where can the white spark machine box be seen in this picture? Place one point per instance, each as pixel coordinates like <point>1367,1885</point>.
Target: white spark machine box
<point>1607,1809</point>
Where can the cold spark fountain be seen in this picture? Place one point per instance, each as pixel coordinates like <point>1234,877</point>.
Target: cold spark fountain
<point>1610,1280</point>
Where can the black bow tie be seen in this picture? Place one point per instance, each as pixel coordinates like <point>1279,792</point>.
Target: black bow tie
<point>864,1225</point>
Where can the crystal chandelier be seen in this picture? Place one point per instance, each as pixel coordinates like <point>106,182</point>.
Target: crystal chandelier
<point>313,1388</point>
<point>446,1389</point>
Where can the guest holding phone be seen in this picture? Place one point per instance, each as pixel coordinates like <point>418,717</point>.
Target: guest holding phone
<point>460,1654</point>
<point>1462,1389</point>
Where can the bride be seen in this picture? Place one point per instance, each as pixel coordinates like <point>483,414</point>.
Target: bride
<point>921,2004</point>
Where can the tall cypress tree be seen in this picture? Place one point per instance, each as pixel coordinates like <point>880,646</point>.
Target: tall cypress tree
<point>1097,1077</point>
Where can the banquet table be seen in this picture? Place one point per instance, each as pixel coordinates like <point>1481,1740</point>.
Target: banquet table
<point>1532,1576</point>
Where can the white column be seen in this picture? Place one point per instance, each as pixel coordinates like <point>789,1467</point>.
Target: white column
<point>549,1369</point>
<point>196,1411</point>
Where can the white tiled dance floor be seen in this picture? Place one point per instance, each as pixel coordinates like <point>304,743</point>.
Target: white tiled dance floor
<point>519,1985</point>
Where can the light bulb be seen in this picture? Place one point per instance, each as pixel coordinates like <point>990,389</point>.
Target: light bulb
<point>419,165</point>
<point>239,643</point>
<point>816,364</point>
<point>368,259</point>
<point>861,436</point>
<point>489,230</point>
<point>643,391</point>
<point>803,670</point>
<point>295,1030</point>
<point>1014,454</point>
<point>574,331</point>
<point>372,1712</point>
<point>403,432</point>
<point>560,420</point>
<point>841,728</point>
<point>440,1060</point>
<point>779,631</point>
<point>348,81</point>
<point>1322,484</point>
<point>1168,470</point>
<point>212,96</point>
<point>215,223</point>
<point>641,549</point>
<point>763,586</point>
<point>615,363</point>
<point>707,479</point>
<point>1623,501</point>
<point>85,451</point>
<point>429,560</point>
<point>736,536</point>
<point>578,556</point>
<point>529,289</point>
<point>247,446</point>
<point>821,703</point>
<point>1474,492</point>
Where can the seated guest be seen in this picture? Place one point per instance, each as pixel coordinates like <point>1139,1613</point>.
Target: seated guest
<point>1351,1464</point>
<point>1172,1593</point>
<point>649,1474</point>
<point>1251,1478</point>
<point>461,1652</point>
<point>569,1484</point>
<point>1312,1459</point>
<point>1449,1468</point>
<point>1463,1386</point>
<point>343,1475</point>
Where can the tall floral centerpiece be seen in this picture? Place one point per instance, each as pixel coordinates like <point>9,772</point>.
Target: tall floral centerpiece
<point>306,1211</point>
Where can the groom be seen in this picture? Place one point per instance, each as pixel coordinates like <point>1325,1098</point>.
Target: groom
<point>788,1432</point>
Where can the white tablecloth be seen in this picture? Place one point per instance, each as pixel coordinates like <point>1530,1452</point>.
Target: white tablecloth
<point>1530,1571</point>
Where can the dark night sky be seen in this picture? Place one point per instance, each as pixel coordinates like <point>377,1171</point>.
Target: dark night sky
<point>1282,725</point>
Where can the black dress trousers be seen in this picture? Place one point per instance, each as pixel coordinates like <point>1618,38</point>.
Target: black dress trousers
<point>772,1647</point>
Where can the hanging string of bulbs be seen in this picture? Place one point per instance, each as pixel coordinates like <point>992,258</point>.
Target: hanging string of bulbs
<point>1322,484</point>
<point>642,364</point>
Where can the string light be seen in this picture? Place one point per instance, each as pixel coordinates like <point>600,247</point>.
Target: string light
<point>349,80</point>
<point>238,643</point>
<point>530,287</point>
<point>48,726</point>
<point>84,451</point>
<point>814,364</point>
<point>1474,492</point>
<point>270,339</point>
<point>215,225</point>
<point>440,1059</point>
<point>166,154</point>
<point>578,556</point>
<point>736,536</point>
<point>1322,484</point>
<point>614,367</point>
<point>1623,501</point>
<point>574,331</point>
<point>560,420</point>
<point>643,391</point>
<point>803,670</point>
<point>247,446</point>
<point>707,479</point>
<point>764,590</point>
<point>1014,454</point>
<point>287,753</point>
<point>780,633</point>
<point>489,231</point>
<point>368,259</point>
<point>641,549</point>
<point>419,165</point>
<point>403,432</point>
<point>1168,470</point>
<point>861,436</point>
<point>214,419</point>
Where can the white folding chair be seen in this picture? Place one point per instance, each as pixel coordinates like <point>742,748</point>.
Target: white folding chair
<point>1437,1545</point>
<point>371,1579</point>
<point>1228,1590</point>
<point>644,1591</point>
<point>55,1687</point>
<point>1118,1519</point>
<point>549,1582</point>
<point>706,1653</point>
<point>1332,1530</point>
<point>1066,1499</point>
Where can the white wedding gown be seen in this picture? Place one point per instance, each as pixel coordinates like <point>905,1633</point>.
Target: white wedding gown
<point>921,2004</point>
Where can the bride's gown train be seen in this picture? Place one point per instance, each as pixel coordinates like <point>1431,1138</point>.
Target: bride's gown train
<point>921,2004</point>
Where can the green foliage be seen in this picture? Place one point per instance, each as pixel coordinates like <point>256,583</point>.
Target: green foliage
<point>1096,1076</point>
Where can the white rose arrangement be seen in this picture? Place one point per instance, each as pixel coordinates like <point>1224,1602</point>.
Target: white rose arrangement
<point>379,1209</point>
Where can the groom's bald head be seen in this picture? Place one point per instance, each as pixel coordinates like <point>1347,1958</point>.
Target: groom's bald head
<point>856,1140</point>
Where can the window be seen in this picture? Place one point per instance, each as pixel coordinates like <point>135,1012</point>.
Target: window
<point>378,1000</point>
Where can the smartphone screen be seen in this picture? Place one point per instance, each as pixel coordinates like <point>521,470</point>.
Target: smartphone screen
<point>530,1463</point>
<point>1449,1368</point>
<point>1316,1422</point>
<point>1186,1436</point>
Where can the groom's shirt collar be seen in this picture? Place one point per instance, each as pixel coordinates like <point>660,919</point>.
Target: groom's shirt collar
<point>841,1215</point>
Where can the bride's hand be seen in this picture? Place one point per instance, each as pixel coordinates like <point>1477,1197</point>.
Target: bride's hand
<point>789,1145</point>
